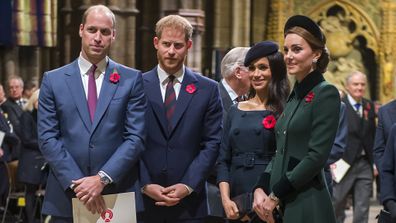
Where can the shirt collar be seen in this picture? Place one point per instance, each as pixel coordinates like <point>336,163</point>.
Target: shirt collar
<point>352,101</point>
<point>85,65</point>
<point>310,81</point>
<point>229,90</point>
<point>163,76</point>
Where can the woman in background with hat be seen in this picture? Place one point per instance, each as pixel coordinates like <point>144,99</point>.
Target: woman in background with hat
<point>305,132</point>
<point>248,143</point>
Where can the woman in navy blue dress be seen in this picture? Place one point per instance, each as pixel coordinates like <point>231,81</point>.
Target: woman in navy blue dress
<point>248,142</point>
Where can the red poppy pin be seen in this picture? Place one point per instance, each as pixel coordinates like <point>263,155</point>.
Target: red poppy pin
<point>191,88</point>
<point>309,97</point>
<point>114,77</point>
<point>368,106</point>
<point>269,122</point>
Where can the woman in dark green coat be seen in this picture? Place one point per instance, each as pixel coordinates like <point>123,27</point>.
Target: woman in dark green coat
<point>304,132</point>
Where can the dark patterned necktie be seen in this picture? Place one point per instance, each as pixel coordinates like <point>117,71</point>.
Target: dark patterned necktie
<point>92,96</point>
<point>170,100</point>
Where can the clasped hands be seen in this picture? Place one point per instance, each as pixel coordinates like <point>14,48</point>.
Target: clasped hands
<point>264,206</point>
<point>166,196</point>
<point>88,190</point>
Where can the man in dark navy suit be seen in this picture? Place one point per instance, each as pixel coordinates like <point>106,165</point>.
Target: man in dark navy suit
<point>386,118</point>
<point>184,119</point>
<point>359,151</point>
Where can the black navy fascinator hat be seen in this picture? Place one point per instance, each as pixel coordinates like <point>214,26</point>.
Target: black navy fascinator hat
<point>259,50</point>
<point>307,24</point>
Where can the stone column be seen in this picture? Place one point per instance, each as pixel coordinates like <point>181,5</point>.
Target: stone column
<point>240,23</point>
<point>388,47</point>
<point>123,49</point>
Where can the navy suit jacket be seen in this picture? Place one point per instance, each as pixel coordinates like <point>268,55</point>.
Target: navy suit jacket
<point>361,132</point>
<point>386,118</point>
<point>226,99</point>
<point>388,168</point>
<point>188,152</point>
<point>75,147</point>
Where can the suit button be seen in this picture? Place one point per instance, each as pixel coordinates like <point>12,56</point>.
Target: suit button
<point>164,170</point>
<point>91,146</point>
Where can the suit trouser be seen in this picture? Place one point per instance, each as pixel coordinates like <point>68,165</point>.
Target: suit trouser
<point>358,180</point>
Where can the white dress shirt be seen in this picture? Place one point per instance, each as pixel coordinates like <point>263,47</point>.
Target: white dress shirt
<point>85,67</point>
<point>163,80</point>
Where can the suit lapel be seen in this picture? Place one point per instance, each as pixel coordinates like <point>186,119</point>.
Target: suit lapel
<point>153,92</point>
<point>184,97</point>
<point>106,93</point>
<point>74,82</point>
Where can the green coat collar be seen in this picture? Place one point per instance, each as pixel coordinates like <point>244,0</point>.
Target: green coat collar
<point>310,81</point>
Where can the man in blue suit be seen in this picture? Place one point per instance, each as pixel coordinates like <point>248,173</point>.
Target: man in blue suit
<point>91,123</point>
<point>387,174</point>
<point>184,119</point>
<point>386,118</point>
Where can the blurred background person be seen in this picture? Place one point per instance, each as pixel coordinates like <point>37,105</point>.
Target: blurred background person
<point>305,132</point>
<point>10,141</point>
<point>12,112</point>
<point>28,90</point>
<point>358,153</point>
<point>235,83</point>
<point>248,142</point>
<point>31,161</point>
<point>15,90</point>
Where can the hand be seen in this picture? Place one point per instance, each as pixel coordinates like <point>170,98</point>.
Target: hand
<point>375,171</point>
<point>230,208</point>
<point>88,188</point>
<point>259,197</point>
<point>176,191</point>
<point>1,152</point>
<point>96,205</point>
<point>155,192</point>
<point>269,206</point>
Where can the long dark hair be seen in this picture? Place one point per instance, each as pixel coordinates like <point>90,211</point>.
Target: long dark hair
<point>279,87</point>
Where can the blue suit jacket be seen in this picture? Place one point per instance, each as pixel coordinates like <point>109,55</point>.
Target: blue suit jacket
<point>188,152</point>
<point>388,168</point>
<point>386,118</point>
<point>74,147</point>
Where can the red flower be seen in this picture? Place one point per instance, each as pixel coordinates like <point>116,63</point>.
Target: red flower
<point>191,88</point>
<point>269,122</point>
<point>114,77</point>
<point>368,106</point>
<point>309,97</point>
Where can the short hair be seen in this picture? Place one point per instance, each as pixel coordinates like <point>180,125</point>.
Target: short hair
<point>315,44</point>
<point>232,59</point>
<point>15,77</point>
<point>174,21</point>
<point>102,8</point>
<point>354,73</point>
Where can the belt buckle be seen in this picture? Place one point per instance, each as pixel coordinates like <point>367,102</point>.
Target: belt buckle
<point>249,159</point>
